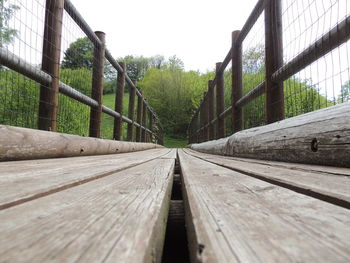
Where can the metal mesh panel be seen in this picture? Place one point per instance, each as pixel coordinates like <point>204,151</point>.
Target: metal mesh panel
<point>326,81</point>
<point>21,33</point>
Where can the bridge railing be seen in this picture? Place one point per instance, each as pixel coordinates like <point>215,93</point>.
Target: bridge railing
<point>48,82</point>
<point>274,77</point>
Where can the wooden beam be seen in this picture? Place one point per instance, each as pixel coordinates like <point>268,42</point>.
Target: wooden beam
<point>131,111</point>
<point>97,86</point>
<point>119,95</point>
<point>21,143</point>
<point>220,101</point>
<point>273,61</point>
<point>211,99</point>
<point>237,83</point>
<point>139,117</point>
<point>144,122</point>
<point>319,137</point>
<point>48,103</point>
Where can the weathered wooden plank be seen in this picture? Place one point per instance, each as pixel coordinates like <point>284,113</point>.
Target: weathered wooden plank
<point>20,143</point>
<point>21,181</point>
<point>328,185</point>
<point>119,218</point>
<point>232,217</point>
<point>171,155</point>
<point>320,137</point>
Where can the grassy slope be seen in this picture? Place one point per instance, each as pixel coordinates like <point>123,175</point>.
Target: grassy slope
<point>174,143</point>
<point>108,121</point>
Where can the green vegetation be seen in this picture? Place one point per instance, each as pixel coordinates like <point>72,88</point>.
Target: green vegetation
<point>174,93</point>
<point>108,121</point>
<point>7,34</point>
<point>174,143</point>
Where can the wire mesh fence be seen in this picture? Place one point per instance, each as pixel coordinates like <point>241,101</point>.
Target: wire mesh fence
<point>55,73</point>
<point>21,33</point>
<point>253,70</point>
<point>324,82</point>
<point>294,59</point>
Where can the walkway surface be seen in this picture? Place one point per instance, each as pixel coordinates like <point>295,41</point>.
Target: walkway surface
<point>114,208</point>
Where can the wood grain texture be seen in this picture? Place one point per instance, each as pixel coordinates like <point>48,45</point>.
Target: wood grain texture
<point>232,217</point>
<point>22,181</point>
<point>118,218</point>
<point>329,183</point>
<point>320,137</point>
<point>21,144</point>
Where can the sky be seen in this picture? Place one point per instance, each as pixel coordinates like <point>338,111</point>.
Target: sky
<point>196,31</point>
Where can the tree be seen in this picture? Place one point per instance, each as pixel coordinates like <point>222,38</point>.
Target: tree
<point>254,60</point>
<point>7,34</point>
<point>156,61</point>
<point>79,54</point>
<point>174,94</point>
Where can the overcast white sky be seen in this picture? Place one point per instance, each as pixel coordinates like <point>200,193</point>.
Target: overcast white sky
<point>197,31</point>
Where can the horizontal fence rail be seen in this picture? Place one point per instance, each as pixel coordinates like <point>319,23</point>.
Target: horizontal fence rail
<point>275,71</point>
<point>48,76</point>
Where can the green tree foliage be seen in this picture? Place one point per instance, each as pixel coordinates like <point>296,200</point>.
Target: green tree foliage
<point>7,34</point>
<point>174,94</point>
<point>79,54</point>
<point>136,67</point>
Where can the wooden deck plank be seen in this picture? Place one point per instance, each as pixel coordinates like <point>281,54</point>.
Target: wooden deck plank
<point>331,184</point>
<point>118,218</point>
<point>232,217</point>
<point>171,155</point>
<point>21,181</point>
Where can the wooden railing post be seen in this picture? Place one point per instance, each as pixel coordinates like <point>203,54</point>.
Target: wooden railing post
<point>198,126</point>
<point>131,111</point>
<point>144,122</point>
<point>200,133</point>
<point>151,126</point>
<point>211,102</point>
<point>97,86</point>
<point>190,132</point>
<point>48,103</point>
<point>206,117</point>
<point>119,93</point>
<point>237,86</point>
<point>273,61</point>
<point>139,117</point>
<point>220,101</point>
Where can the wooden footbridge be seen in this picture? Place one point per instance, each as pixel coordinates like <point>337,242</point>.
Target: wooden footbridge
<point>275,193</point>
